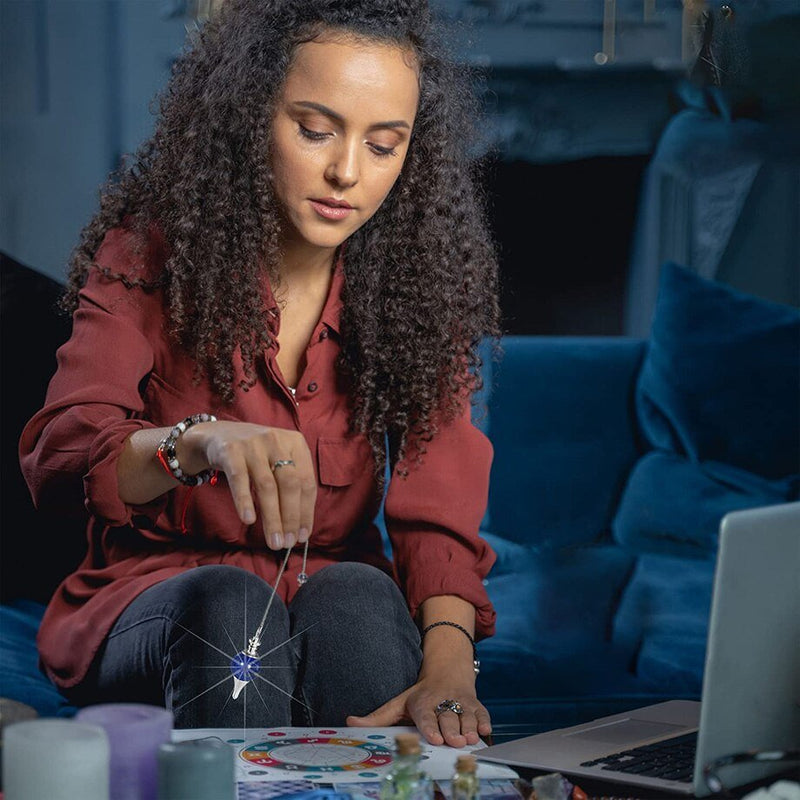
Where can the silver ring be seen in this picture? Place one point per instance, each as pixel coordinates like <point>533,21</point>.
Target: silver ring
<point>285,462</point>
<point>449,705</point>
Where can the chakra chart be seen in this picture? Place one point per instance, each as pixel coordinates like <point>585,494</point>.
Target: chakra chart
<point>326,752</point>
<point>330,755</point>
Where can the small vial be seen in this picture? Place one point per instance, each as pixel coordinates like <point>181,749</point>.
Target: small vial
<point>465,782</point>
<point>406,780</point>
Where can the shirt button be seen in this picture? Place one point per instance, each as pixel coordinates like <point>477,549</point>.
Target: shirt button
<point>323,334</point>
<point>312,387</point>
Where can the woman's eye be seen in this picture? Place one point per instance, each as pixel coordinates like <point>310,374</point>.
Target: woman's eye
<point>316,136</point>
<point>313,135</point>
<point>382,151</point>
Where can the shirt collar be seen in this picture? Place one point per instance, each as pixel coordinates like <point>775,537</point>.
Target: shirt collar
<point>333,305</point>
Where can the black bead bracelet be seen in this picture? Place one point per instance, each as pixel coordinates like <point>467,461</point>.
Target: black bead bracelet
<point>476,665</point>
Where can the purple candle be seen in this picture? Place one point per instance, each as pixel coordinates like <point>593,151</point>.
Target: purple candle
<point>135,732</point>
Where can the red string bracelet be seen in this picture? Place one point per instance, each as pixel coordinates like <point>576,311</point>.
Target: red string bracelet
<point>168,455</point>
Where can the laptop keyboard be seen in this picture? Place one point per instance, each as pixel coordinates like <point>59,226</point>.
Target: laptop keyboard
<point>672,759</point>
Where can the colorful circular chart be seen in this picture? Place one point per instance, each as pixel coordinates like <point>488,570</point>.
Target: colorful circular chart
<point>318,753</point>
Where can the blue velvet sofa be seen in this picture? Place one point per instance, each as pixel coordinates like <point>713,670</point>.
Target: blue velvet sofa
<point>615,459</point>
<point>570,641</point>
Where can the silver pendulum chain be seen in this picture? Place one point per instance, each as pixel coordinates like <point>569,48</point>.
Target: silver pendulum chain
<point>255,641</point>
<point>245,665</point>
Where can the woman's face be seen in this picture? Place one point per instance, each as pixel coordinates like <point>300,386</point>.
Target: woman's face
<point>340,135</point>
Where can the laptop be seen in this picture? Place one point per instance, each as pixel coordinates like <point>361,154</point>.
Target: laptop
<point>751,682</point>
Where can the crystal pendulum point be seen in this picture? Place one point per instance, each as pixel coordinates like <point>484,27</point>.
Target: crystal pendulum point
<point>238,685</point>
<point>301,578</point>
<point>244,666</point>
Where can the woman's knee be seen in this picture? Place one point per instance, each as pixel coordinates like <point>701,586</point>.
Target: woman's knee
<point>349,585</point>
<point>359,645</point>
<point>352,602</point>
<point>223,594</point>
<point>217,581</point>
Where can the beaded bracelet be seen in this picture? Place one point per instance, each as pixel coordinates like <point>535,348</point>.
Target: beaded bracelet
<point>476,665</point>
<point>168,457</point>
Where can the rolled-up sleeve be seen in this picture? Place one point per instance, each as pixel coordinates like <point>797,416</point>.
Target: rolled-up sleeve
<point>433,518</point>
<point>93,402</point>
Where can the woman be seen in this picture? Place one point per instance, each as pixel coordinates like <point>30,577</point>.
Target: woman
<point>299,250</point>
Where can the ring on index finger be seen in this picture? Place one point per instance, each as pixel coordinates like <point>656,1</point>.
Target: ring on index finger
<point>285,462</point>
<point>449,705</point>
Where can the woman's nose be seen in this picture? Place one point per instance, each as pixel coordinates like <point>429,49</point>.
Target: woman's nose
<point>343,168</point>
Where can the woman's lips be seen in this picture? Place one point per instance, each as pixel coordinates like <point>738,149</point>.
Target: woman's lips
<point>328,211</point>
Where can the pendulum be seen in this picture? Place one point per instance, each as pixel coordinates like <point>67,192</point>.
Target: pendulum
<point>244,665</point>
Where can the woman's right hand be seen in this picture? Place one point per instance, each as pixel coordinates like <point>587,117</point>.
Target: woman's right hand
<point>246,453</point>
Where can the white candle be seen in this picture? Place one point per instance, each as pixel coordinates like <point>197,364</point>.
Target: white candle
<point>55,759</point>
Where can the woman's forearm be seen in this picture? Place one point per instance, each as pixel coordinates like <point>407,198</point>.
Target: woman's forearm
<point>140,476</point>
<point>445,647</point>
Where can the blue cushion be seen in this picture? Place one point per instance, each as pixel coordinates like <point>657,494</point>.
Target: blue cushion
<point>19,661</point>
<point>718,397</point>
<point>674,506</point>
<point>554,602</point>
<point>662,622</point>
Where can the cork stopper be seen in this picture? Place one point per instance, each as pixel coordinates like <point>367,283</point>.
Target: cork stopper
<point>466,764</point>
<point>407,744</point>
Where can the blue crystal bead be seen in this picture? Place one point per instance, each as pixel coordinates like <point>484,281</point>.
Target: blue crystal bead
<point>244,666</point>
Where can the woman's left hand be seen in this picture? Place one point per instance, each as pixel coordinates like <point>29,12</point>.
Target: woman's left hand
<point>418,704</point>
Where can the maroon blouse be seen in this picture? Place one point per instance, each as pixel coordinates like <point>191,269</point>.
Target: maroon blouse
<point>119,373</point>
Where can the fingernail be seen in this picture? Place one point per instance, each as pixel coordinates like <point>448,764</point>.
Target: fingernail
<point>288,540</point>
<point>249,517</point>
<point>276,541</point>
<point>302,535</point>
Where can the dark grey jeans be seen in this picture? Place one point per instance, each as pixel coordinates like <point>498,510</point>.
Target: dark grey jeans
<point>345,645</point>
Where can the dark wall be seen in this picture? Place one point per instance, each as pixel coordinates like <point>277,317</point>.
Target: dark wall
<point>564,232</point>
<point>36,549</point>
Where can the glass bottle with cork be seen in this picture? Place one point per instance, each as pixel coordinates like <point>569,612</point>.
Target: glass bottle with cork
<point>406,780</point>
<point>465,781</point>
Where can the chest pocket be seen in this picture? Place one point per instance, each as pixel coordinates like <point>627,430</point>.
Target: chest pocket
<point>343,460</point>
<point>165,404</point>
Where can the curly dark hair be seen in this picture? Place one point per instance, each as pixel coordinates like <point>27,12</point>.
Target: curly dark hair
<point>421,282</point>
